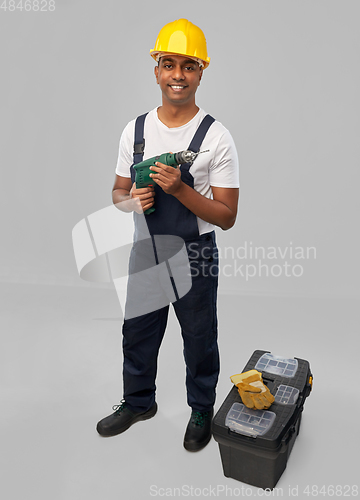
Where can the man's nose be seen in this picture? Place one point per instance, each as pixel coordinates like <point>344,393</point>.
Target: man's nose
<point>178,73</point>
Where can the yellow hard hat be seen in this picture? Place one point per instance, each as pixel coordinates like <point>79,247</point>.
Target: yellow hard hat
<point>183,38</point>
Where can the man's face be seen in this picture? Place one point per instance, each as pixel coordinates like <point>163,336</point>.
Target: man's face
<point>179,78</point>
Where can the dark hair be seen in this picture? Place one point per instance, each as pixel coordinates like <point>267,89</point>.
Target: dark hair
<point>179,54</point>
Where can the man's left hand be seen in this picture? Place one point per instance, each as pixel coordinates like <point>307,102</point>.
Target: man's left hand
<point>168,178</point>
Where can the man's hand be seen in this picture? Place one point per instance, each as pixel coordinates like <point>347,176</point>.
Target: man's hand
<point>168,178</point>
<point>143,198</point>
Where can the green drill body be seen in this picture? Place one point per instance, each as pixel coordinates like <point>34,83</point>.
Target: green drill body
<point>142,169</point>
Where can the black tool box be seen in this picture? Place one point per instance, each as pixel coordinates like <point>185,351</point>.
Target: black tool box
<point>255,444</point>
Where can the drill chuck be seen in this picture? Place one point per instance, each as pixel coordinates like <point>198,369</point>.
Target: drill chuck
<point>185,157</point>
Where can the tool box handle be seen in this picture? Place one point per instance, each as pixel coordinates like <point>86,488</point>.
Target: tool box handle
<point>292,428</point>
<point>269,382</point>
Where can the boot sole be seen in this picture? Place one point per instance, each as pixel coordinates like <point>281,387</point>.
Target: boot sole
<point>143,416</point>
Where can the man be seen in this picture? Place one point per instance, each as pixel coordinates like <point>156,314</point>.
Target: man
<point>190,201</point>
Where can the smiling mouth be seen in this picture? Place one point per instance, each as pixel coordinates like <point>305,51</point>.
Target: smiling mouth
<point>177,88</point>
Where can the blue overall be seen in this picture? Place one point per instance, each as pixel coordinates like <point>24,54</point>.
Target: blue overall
<point>195,311</point>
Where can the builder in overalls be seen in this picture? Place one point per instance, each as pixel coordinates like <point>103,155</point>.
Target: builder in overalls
<point>190,201</point>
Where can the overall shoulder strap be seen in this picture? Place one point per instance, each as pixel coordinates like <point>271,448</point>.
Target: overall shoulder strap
<point>198,138</point>
<point>139,141</point>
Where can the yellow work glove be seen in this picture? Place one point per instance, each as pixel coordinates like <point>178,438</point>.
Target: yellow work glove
<point>253,392</point>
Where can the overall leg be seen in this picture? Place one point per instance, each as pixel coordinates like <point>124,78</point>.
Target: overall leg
<point>196,312</point>
<point>142,338</point>
<point>146,313</point>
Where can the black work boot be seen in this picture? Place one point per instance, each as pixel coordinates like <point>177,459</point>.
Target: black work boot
<point>198,431</point>
<point>122,419</point>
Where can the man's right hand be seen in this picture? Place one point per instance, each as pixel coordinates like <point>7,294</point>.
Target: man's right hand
<point>129,199</point>
<point>144,198</point>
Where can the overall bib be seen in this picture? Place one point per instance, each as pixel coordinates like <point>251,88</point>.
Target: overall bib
<point>195,311</point>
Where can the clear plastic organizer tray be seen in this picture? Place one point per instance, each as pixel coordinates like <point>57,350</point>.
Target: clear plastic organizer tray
<point>249,422</point>
<point>286,395</point>
<point>277,365</point>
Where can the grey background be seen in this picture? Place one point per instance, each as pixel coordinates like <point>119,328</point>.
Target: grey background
<point>284,80</point>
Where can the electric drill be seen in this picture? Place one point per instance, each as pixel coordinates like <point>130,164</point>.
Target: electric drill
<point>142,169</point>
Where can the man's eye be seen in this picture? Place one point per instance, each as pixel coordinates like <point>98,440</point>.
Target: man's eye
<point>190,68</point>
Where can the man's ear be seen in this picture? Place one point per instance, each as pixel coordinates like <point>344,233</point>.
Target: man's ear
<point>200,74</point>
<point>156,71</point>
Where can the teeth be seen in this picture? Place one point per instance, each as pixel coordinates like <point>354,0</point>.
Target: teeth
<point>176,87</point>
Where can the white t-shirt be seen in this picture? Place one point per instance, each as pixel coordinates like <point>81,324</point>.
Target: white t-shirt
<point>219,167</point>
